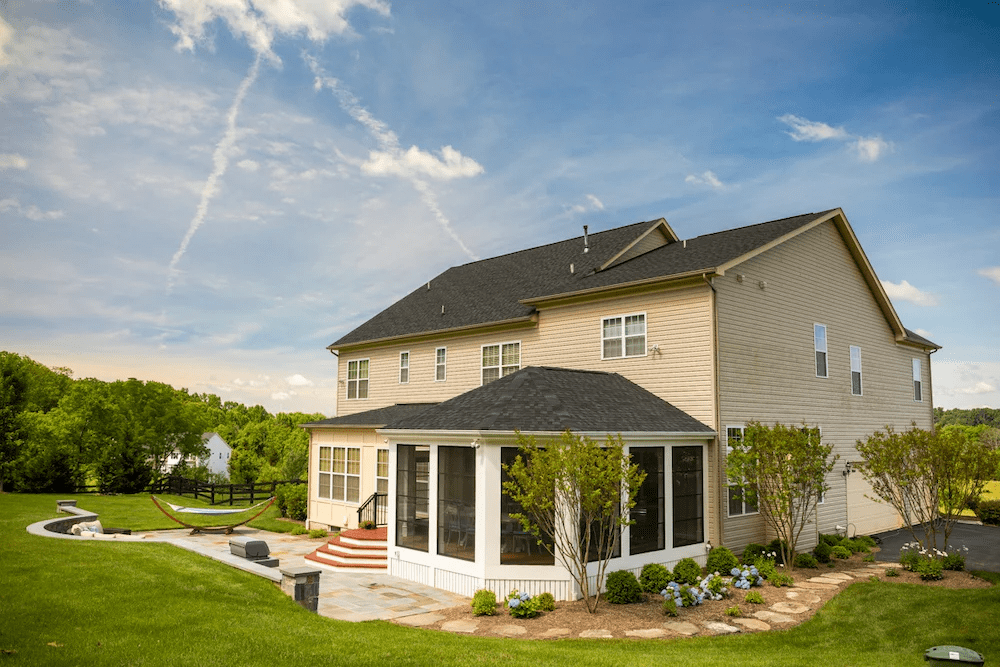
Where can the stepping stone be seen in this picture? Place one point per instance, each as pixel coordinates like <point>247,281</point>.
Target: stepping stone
<point>650,633</point>
<point>720,628</point>
<point>596,634</point>
<point>773,617</point>
<point>683,628</point>
<point>556,632</point>
<point>789,608</point>
<point>420,620</point>
<point>812,585</point>
<point>843,576</point>
<point>752,624</point>
<point>825,580</point>
<point>460,626</point>
<point>510,630</point>
<point>803,597</point>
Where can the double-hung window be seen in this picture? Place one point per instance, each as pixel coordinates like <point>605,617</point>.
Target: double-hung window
<point>819,342</point>
<point>357,378</point>
<point>917,373</point>
<point>500,360</point>
<point>623,336</point>
<point>340,473</point>
<point>441,364</point>
<point>404,367</point>
<point>738,503</point>
<point>856,370</point>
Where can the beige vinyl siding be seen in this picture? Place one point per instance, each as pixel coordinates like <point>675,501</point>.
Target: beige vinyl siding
<point>324,512</point>
<point>767,359</point>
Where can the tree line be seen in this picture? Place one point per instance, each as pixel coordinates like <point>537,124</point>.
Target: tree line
<point>971,417</point>
<point>58,433</point>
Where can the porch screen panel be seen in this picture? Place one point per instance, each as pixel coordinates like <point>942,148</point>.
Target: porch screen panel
<point>456,515</point>
<point>517,546</point>
<point>688,496</point>
<point>412,488</point>
<point>648,533</point>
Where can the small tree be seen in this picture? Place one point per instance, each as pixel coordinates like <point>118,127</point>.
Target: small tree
<point>784,471</point>
<point>578,494</point>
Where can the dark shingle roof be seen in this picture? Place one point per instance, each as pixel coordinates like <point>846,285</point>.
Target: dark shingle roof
<point>553,400</point>
<point>492,290</point>
<point>377,417</point>
<point>920,340</point>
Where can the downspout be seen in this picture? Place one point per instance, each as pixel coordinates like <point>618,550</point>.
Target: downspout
<point>930,385</point>
<point>717,538</point>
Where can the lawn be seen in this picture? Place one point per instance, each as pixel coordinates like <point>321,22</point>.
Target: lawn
<point>108,603</point>
<point>991,492</point>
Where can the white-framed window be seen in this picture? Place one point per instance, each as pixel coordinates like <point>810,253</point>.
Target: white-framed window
<point>819,342</point>
<point>821,499</point>
<point>856,370</point>
<point>623,336</point>
<point>357,378</point>
<point>918,394</point>
<point>382,476</point>
<point>441,364</point>
<point>500,360</point>
<point>738,505</point>
<point>340,473</point>
<point>404,367</point>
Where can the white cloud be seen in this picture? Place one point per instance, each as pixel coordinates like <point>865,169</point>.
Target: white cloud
<point>870,149</point>
<point>12,160</point>
<point>992,272</point>
<point>415,163</point>
<point>298,380</point>
<point>807,130</point>
<point>978,388</point>
<point>707,178</point>
<point>924,332</point>
<point>6,37</point>
<point>248,165</point>
<point>282,395</point>
<point>907,292</point>
<point>592,204</point>
<point>259,381</point>
<point>31,212</point>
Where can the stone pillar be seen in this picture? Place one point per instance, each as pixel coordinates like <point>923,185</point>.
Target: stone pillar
<point>301,583</point>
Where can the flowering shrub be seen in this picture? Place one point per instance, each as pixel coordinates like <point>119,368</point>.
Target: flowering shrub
<point>521,605</point>
<point>765,565</point>
<point>683,594</point>
<point>909,556</point>
<point>744,577</point>
<point>714,586</point>
<point>753,551</point>
<point>955,560</point>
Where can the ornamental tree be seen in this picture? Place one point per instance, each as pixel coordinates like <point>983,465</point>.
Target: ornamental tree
<point>783,471</point>
<point>577,493</point>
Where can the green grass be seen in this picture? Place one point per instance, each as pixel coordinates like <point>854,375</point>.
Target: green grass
<point>991,492</point>
<point>111,603</point>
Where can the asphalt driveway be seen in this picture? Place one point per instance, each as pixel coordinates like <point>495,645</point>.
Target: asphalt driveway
<point>983,543</point>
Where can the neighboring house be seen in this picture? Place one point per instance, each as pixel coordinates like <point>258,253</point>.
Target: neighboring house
<point>674,344</point>
<point>217,460</point>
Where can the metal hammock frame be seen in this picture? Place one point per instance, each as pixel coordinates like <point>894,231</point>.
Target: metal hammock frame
<point>215,529</point>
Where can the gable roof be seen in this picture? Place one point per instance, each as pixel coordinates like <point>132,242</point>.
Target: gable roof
<point>508,290</point>
<point>371,418</point>
<point>543,399</point>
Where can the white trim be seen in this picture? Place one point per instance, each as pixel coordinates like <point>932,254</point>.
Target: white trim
<point>825,350</point>
<point>444,365</point>
<point>357,381</point>
<point>623,338</point>
<point>742,428</point>
<point>856,368</point>
<point>332,473</point>
<point>404,368</point>
<point>500,365</point>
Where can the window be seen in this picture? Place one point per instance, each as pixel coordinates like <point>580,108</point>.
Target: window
<point>688,497</point>
<point>404,367</point>
<point>357,378</point>
<point>623,336</point>
<point>441,364</point>
<point>517,546</point>
<point>648,533</point>
<point>917,373</point>
<point>819,342</point>
<point>500,360</point>
<point>412,489</point>
<point>821,498</point>
<point>856,370</point>
<point>738,503</point>
<point>456,511</point>
<point>340,473</point>
<point>382,479</point>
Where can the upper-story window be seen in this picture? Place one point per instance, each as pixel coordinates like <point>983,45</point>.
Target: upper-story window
<point>623,336</point>
<point>441,364</point>
<point>819,342</point>
<point>357,378</point>
<point>856,370</point>
<point>917,388</point>
<point>500,360</point>
<point>404,367</point>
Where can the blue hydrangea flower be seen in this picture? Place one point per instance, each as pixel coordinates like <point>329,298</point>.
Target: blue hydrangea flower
<point>525,597</point>
<point>735,572</point>
<point>515,603</point>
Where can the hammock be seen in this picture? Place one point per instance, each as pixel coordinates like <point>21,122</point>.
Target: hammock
<point>180,509</point>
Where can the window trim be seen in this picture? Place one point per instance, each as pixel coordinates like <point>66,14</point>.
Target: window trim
<point>357,381</point>
<point>332,473</point>
<point>623,338</point>
<point>824,351</point>
<point>861,386</point>
<point>500,366</point>
<point>405,368</point>
<point>729,484</point>
<point>443,365</point>
<point>918,383</point>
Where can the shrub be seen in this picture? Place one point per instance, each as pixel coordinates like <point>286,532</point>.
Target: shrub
<point>291,500</point>
<point>765,567</point>
<point>870,558</point>
<point>733,611</point>
<point>654,577</point>
<point>866,540</point>
<point>909,557</point>
<point>822,552</point>
<point>874,578</point>
<point>832,540</point>
<point>721,559</point>
<point>545,602</point>
<point>669,608</point>
<point>988,512</point>
<point>744,577</point>
<point>930,569</point>
<point>891,572</point>
<point>687,572</point>
<point>714,587</point>
<point>754,597</point>
<point>775,549</point>
<point>753,551</point>
<point>368,524</point>
<point>484,603</point>
<point>683,595</point>
<point>806,560</point>
<point>856,546</point>
<point>840,552</point>
<point>623,588</point>
<point>317,532</point>
<point>779,579</point>
<point>299,530</point>
<point>521,605</point>
<point>954,560</point>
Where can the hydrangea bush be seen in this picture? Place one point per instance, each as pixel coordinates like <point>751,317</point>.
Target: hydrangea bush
<point>521,605</point>
<point>746,576</point>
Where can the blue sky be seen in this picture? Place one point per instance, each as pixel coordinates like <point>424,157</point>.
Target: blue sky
<point>209,192</point>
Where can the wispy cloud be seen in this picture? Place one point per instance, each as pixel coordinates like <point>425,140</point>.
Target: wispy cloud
<point>992,272</point>
<point>31,211</point>
<point>591,203</point>
<point>870,149</point>
<point>298,380</point>
<point>414,163</point>
<point>12,161</point>
<point>6,37</point>
<point>807,130</point>
<point>706,178</point>
<point>980,387</point>
<point>904,291</point>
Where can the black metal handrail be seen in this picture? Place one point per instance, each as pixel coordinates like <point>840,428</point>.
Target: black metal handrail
<point>373,510</point>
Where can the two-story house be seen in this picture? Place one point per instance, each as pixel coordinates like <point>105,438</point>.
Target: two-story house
<point>674,344</point>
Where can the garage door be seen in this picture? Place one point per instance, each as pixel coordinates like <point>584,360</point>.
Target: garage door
<point>866,515</point>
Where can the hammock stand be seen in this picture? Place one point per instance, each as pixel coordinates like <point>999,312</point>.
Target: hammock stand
<point>211,529</point>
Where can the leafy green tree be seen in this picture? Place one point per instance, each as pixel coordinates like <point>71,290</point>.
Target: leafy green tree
<point>577,494</point>
<point>784,471</point>
<point>47,463</point>
<point>13,398</point>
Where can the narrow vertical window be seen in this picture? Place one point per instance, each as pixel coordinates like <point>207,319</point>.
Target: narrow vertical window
<point>325,468</point>
<point>647,532</point>
<point>456,491</point>
<point>518,546</point>
<point>738,502</point>
<point>357,378</point>
<point>917,374</point>
<point>382,482</point>
<point>412,492</point>
<point>819,342</point>
<point>688,496</point>
<point>441,364</point>
<point>404,367</point>
<point>855,370</point>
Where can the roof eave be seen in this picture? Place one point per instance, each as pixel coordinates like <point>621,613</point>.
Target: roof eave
<point>512,323</point>
<point>540,301</point>
<point>486,433</point>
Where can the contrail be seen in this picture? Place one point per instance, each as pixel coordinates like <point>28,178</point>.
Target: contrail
<point>430,199</point>
<point>220,160</point>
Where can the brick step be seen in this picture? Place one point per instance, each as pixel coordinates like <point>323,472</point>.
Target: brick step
<point>318,558</point>
<point>348,550</point>
<point>366,535</point>
<point>350,542</point>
